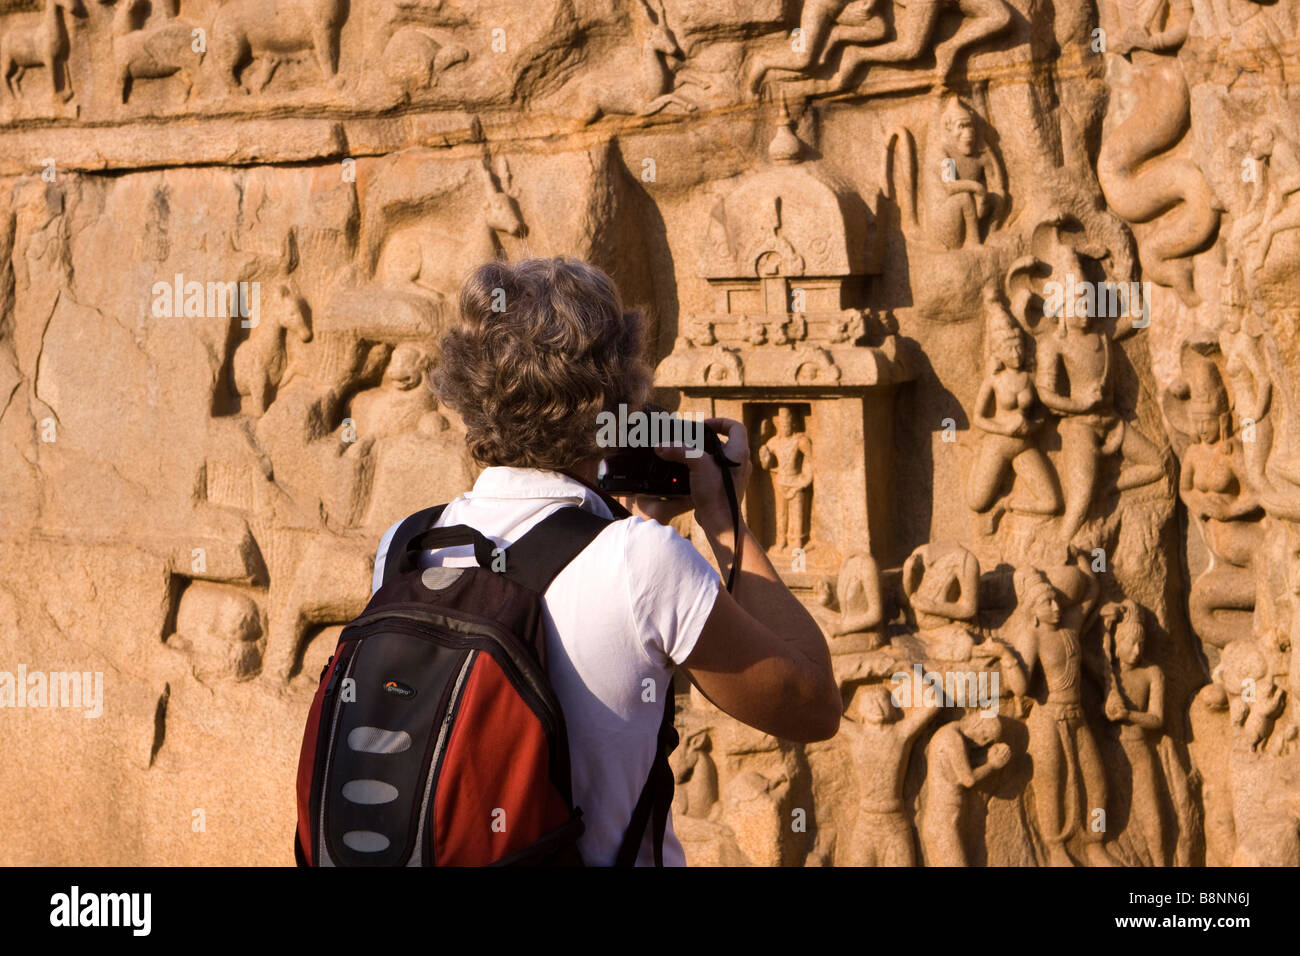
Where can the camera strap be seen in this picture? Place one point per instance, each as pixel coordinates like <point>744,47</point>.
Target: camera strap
<point>729,486</point>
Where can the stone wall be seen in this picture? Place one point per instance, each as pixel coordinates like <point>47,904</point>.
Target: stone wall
<point>1006,291</point>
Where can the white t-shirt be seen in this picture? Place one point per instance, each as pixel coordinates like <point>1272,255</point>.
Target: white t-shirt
<point>628,608</point>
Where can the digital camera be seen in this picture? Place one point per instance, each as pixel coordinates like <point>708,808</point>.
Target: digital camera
<point>639,471</point>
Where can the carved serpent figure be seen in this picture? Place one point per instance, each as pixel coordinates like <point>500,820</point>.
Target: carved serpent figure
<point>1144,184</point>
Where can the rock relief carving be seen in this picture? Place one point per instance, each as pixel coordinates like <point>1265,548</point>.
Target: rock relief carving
<point>152,52</point>
<point>879,736</point>
<point>788,456</point>
<point>40,40</point>
<point>1143,181</point>
<point>960,756</point>
<point>1070,787</point>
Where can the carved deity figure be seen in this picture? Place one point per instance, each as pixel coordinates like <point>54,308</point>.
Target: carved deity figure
<point>942,582</point>
<point>1069,777</point>
<point>915,25</point>
<point>880,738</point>
<point>788,455</point>
<point>949,778</point>
<point>1075,380</point>
<point>1007,410</point>
<point>1136,710</point>
<point>963,181</point>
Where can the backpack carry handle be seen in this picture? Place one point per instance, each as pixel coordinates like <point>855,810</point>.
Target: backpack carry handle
<point>459,534</point>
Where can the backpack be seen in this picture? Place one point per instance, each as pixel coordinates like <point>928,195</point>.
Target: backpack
<point>435,738</point>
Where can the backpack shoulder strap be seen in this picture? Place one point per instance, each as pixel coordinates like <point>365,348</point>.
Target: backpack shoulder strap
<point>535,559</point>
<point>656,796</point>
<point>410,528</point>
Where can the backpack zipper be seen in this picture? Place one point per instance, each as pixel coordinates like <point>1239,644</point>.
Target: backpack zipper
<point>335,717</point>
<point>435,763</point>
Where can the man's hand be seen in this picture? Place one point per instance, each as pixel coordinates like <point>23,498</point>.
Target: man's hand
<point>999,755</point>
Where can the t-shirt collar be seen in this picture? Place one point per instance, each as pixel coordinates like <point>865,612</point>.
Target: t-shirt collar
<point>502,481</point>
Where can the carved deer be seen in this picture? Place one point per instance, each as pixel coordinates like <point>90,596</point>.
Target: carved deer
<point>408,258</point>
<point>645,90</point>
<point>412,255</point>
<point>271,30</point>
<point>152,53</point>
<point>40,40</point>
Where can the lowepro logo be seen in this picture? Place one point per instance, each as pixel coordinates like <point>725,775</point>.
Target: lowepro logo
<point>102,909</point>
<point>404,691</point>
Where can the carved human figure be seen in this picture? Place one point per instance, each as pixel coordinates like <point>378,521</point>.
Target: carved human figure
<point>1150,26</point>
<point>402,403</point>
<point>1213,484</point>
<point>824,26</point>
<point>39,39</point>
<point>1069,777</point>
<point>1255,42</point>
<point>949,778</point>
<point>1275,198</point>
<point>1266,816</point>
<point>1135,707</point>
<point>858,590</point>
<point>1247,368</point>
<point>1007,410</point>
<point>915,24</point>
<point>753,807</point>
<point>1075,380</point>
<point>880,737</point>
<point>963,181</point>
<point>788,455</point>
<point>941,582</point>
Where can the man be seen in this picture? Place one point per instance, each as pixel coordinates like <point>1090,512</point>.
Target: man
<point>1069,777</point>
<point>542,347</point>
<point>880,737</point>
<point>950,777</point>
